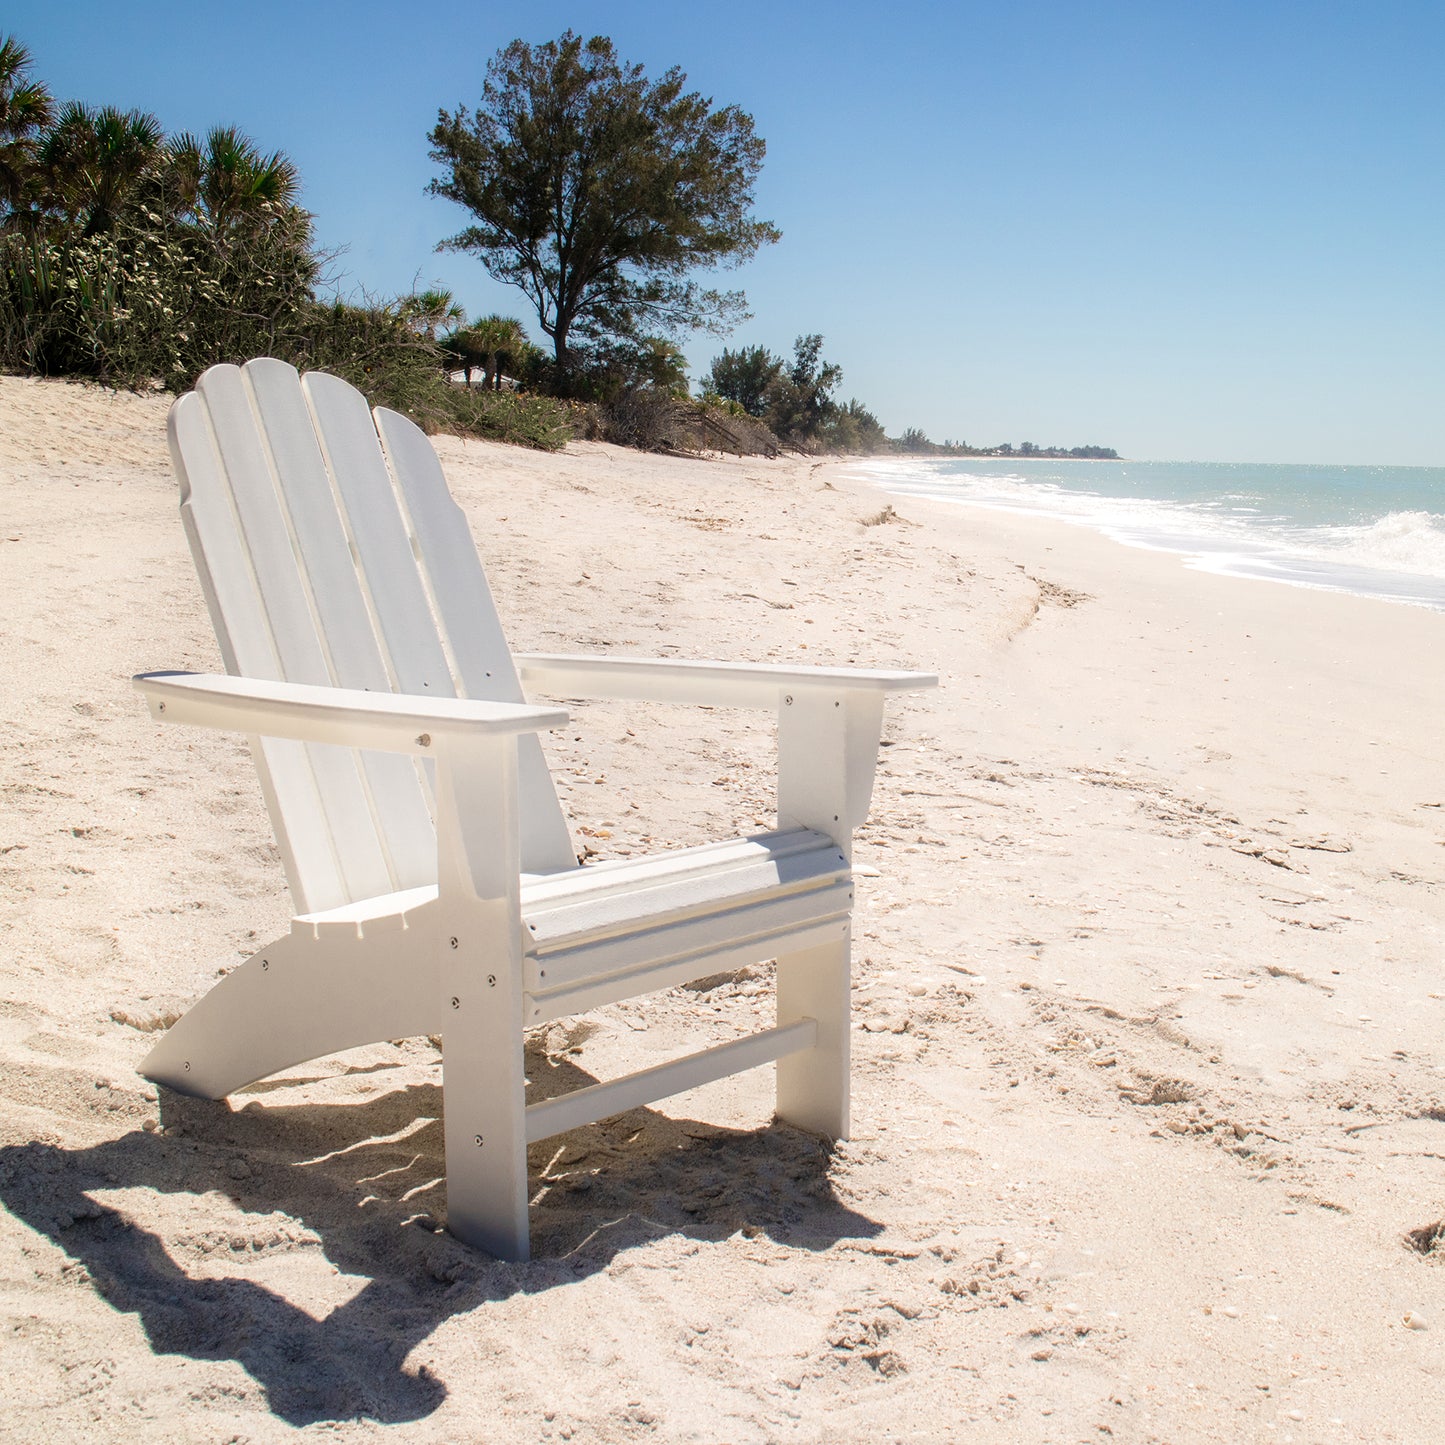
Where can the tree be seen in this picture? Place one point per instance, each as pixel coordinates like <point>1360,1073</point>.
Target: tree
<point>800,399</point>
<point>484,343</point>
<point>745,377</point>
<point>26,110</point>
<point>597,191</point>
<point>657,364</point>
<point>96,161</point>
<point>853,428</point>
<point>224,183</point>
<point>426,311</point>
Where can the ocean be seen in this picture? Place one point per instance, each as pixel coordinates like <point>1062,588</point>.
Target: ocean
<point>1374,531</point>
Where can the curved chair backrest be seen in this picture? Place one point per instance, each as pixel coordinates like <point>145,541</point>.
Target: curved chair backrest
<point>330,551</point>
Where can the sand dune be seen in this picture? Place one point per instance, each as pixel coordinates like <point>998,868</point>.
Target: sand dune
<point>1150,1005</point>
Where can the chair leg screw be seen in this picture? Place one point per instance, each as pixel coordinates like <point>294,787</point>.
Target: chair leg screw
<point>479,1141</point>
<point>456,1002</point>
<point>454,943</point>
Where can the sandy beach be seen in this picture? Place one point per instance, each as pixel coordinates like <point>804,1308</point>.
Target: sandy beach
<point>1149,1047</point>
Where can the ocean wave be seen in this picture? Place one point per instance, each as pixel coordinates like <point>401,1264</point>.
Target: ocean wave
<point>1397,542</point>
<point>1260,533</point>
<point>1153,522</point>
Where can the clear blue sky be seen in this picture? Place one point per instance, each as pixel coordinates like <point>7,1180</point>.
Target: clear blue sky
<point>1197,231</point>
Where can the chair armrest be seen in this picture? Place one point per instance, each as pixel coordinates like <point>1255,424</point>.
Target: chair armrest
<point>830,719</point>
<point>383,721</point>
<point>714,684</point>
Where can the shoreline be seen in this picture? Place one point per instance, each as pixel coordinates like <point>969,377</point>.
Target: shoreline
<point>1149,1014</point>
<point>1244,553</point>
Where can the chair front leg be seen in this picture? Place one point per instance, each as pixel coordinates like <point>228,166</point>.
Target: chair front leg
<point>827,755</point>
<point>813,1090</point>
<point>479,937</point>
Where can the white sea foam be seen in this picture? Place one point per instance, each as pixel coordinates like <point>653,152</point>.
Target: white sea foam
<point>1397,542</point>
<point>1282,532</point>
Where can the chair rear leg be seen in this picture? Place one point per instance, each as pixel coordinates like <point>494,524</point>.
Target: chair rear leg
<point>813,1085</point>
<point>297,999</point>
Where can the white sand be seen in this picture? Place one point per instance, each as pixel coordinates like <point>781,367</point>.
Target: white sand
<point>1151,1006</point>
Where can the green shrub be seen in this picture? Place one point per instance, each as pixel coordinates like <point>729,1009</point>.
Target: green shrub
<point>372,347</point>
<point>147,301</point>
<point>655,421</point>
<point>543,422</point>
<point>139,306</point>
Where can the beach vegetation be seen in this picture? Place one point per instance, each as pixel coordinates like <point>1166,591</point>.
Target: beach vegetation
<point>800,400</point>
<point>143,301</point>
<point>598,193</point>
<point>656,420</point>
<point>138,260</point>
<point>916,441</point>
<point>854,429</point>
<point>793,398</point>
<point>425,312</point>
<point>96,163</point>
<point>743,378</point>
<point>27,111</point>
<point>223,184</point>
<point>612,372</point>
<point>486,344</point>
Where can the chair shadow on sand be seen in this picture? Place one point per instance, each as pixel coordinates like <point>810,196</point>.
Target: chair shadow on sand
<point>373,1171</point>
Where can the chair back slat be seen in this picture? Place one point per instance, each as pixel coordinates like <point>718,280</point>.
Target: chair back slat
<point>470,627</point>
<point>324,562</point>
<point>298,653</point>
<point>290,786</point>
<point>384,555</point>
<point>323,553</point>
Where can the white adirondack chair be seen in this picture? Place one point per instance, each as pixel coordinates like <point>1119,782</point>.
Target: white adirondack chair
<point>445,897</point>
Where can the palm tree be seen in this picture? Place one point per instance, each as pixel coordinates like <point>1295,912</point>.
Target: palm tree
<point>96,160</point>
<point>487,341</point>
<point>224,181</point>
<point>26,110</point>
<point>661,364</point>
<point>425,311</point>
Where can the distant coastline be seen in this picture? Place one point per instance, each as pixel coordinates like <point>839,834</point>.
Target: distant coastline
<point>916,444</point>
